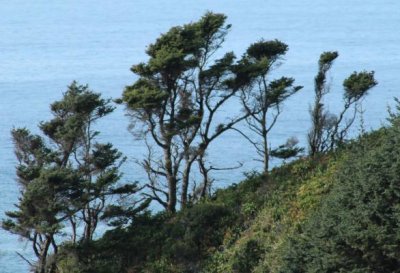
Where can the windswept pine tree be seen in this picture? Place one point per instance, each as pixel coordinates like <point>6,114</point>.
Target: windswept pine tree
<point>65,176</point>
<point>179,94</point>
<point>329,130</point>
<point>264,99</point>
<point>178,101</point>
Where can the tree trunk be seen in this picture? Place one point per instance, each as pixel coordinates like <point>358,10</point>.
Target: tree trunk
<point>204,171</point>
<point>171,180</point>
<point>172,194</point>
<point>266,160</point>
<point>265,143</point>
<point>73,227</point>
<point>185,181</point>
<point>88,224</point>
<point>43,256</point>
<point>185,185</point>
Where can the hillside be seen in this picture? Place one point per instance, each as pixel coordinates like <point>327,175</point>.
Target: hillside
<point>338,212</point>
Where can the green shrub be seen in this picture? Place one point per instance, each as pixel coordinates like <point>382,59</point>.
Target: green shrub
<point>247,257</point>
<point>357,228</point>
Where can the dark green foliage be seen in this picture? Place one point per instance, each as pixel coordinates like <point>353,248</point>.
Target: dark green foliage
<point>195,232</point>
<point>357,227</point>
<point>219,236</point>
<point>78,109</point>
<point>117,215</point>
<point>65,176</point>
<point>329,131</point>
<point>247,258</point>
<point>326,59</point>
<point>144,95</point>
<point>46,202</point>
<point>177,98</point>
<point>280,90</point>
<point>357,84</point>
<point>164,242</point>
<point>87,258</point>
<point>287,150</point>
<point>270,50</point>
<point>236,195</point>
<point>155,243</point>
<point>263,98</point>
<point>321,120</point>
<point>178,91</point>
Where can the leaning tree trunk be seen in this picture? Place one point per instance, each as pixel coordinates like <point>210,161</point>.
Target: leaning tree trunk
<point>206,180</point>
<point>186,179</point>
<point>265,143</point>
<point>171,179</point>
<point>43,256</point>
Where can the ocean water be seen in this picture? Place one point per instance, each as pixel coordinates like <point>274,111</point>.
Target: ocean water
<point>44,45</point>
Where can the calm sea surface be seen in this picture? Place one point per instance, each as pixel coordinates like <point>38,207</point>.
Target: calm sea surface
<point>44,45</point>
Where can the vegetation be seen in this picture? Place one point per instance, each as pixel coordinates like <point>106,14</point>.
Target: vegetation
<point>265,96</point>
<point>177,97</point>
<point>328,130</point>
<point>274,227</point>
<point>335,210</point>
<point>356,228</point>
<point>65,176</point>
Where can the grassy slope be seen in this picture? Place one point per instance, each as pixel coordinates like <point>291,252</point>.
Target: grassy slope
<point>294,191</point>
<point>289,197</point>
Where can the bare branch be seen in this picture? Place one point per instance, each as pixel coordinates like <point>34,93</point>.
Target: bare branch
<point>23,258</point>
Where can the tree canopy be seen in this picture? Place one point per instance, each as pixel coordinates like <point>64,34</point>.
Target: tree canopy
<point>65,175</point>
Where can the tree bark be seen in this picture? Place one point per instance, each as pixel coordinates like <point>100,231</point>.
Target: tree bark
<point>185,182</point>
<point>265,142</point>
<point>171,180</point>
<point>43,255</point>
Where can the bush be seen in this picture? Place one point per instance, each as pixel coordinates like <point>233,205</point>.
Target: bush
<point>247,257</point>
<point>357,228</point>
<point>196,232</point>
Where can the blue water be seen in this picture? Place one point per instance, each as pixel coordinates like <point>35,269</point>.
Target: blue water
<point>44,45</point>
